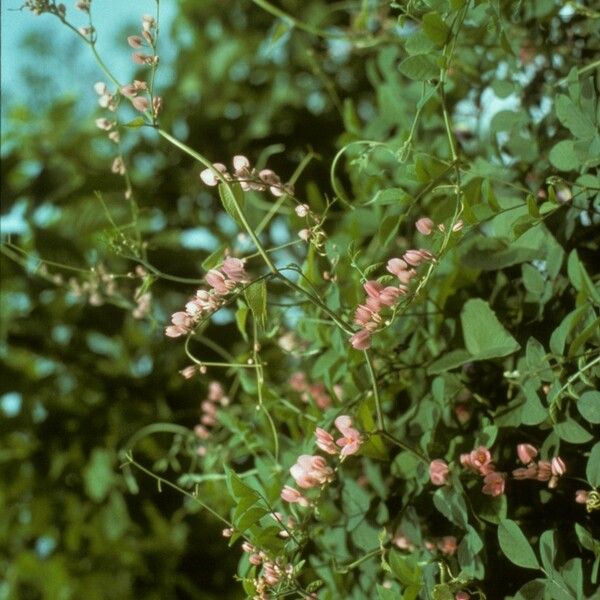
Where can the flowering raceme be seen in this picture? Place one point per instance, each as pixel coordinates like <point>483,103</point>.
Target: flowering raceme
<point>222,281</point>
<point>310,471</point>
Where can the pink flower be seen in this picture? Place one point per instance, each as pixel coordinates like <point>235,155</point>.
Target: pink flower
<point>215,391</point>
<point>227,532</point>
<point>480,457</point>
<point>271,573</point>
<point>448,545</point>
<point>188,372</point>
<point>526,453</point>
<point>425,225</point>
<point>396,266</point>
<point>390,294</point>
<point>201,432</point>
<point>233,268</point>
<point>361,340</point>
<point>462,595</point>
<point>493,484</point>
<point>292,495</point>
<point>438,472</point>
<point>465,461</point>
<point>362,315</point>
<point>351,440</point>
<point>544,472</point>
<point>325,441</point>
<point>458,225</point>
<point>402,542</point>
<point>310,471</point>
<point>140,103</point>
<point>558,466</point>
<point>141,59</point>
<point>104,124</point>
<point>240,162</point>
<point>298,381</point>
<point>529,473</point>
<point>373,289</point>
<point>302,210</point>
<point>416,257</point>
<point>581,496</point>
<point>135,41</point>
<point>173,331</point>
<point>219,282</point>
<point>209,177</point>
<point>463,412</point>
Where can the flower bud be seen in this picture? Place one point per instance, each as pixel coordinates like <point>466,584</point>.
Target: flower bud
<point>425,225</point>
<point>135,41</point>
<point>526,453</point>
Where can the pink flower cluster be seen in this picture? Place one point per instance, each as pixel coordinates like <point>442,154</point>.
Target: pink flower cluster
<point>480,461</point>
<point>317,391</point>
<point>311,471</point>
<point>147,38</point>
<point>209,409</point>
<point>543,470</point>
<point>222,281</point>
<point>447,544</point>
<point>368,315</point>
<point>137,92</point>
<point>248,177</point>
<point>272,571</point>
<point>425,226</point>
<point>349,443</point>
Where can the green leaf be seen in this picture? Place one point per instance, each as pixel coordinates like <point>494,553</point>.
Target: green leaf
<point>214,259</point>
<point>592,470</point>
<point>548,550</point>
<point>135,123</point>
<point>468,549</point>
<point>588,404</point>
<point>452,505</point>
<point>256,297</point>
<point>435,28</point>
<point>452,360</point>
<point>419,68</point>
<point>515,546</point>
<point>232,197</point>
<point>355,503</point>
<point>388,229</point>
<point>493,510</point>
<point>572,432</point>
<point>484,335</point>
<point>241,316</point>
<point>237,488</point>
<point>572,118</point>
<point>532,590</point>
<point>385,594</point>
<point>405,568</point>
<point>249,518</point>
<point>98,475</point>
<point>563,157</point>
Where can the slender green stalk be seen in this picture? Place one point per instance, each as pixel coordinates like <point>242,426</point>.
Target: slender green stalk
<point>402,445</point>
<point>202,160</point>
<point>376,398</point>
<point>162,480</point>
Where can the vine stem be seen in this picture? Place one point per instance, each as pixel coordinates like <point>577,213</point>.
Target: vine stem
<point>202,160</point>
<point>402,445</point>
<point>162,480</point>
<point>315,301</point>
<point>555,403</point>
<point>378,409</point>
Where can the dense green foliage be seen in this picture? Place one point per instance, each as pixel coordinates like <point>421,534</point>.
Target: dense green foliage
<point>482,116</point>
